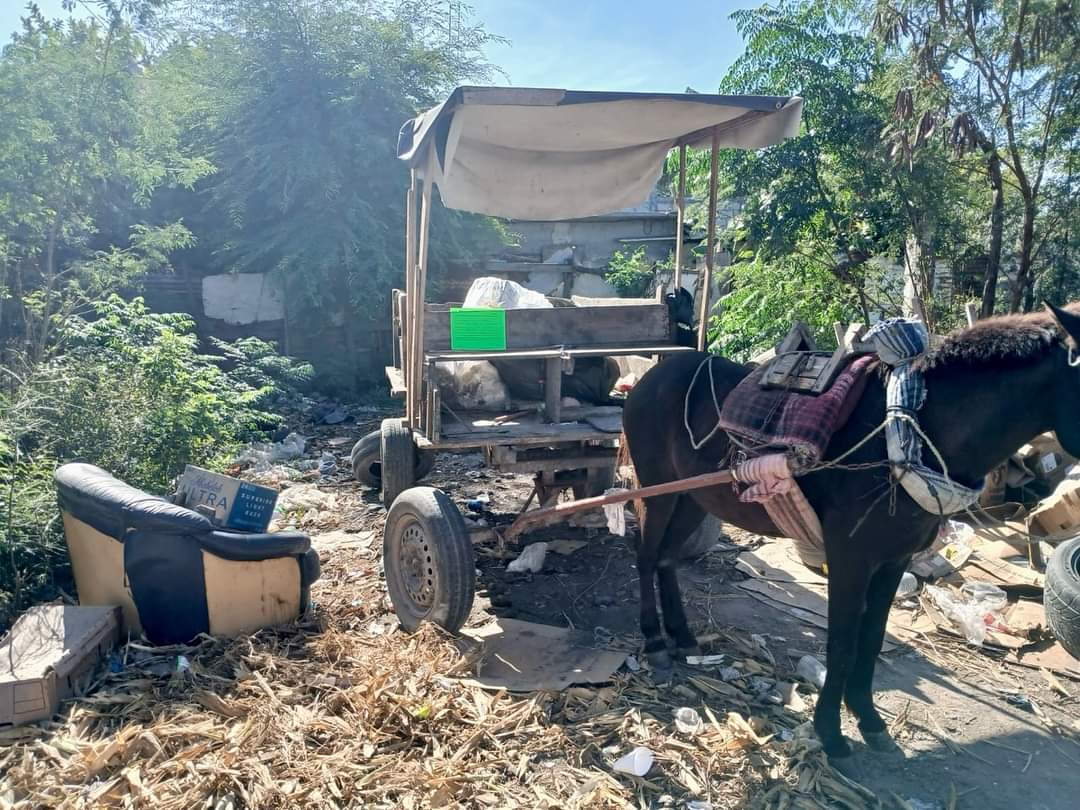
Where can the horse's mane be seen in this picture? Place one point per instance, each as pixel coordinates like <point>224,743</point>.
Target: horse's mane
<point>1005,341</point>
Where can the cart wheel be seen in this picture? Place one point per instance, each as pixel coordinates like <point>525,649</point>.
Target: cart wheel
<point>428,560</point>
<point>366,460</point>
<point>397,470</point>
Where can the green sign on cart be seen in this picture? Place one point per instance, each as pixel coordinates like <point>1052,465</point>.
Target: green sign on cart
<point>476,329</point>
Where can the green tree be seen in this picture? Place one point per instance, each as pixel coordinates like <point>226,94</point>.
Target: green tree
<point>299,103</point>
<point>1009,66</point>
<point>81,153</point>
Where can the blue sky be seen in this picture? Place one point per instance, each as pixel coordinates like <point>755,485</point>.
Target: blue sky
<point>613,44</point>
<point>584,44</point>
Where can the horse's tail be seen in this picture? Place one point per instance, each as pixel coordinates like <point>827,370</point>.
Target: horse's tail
<point>626,475</point>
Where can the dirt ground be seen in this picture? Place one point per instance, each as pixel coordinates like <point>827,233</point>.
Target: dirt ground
<point>343,709</point>
<point>948,702</point>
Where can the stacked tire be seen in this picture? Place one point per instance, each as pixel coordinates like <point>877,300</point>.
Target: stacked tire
<point>1061,595</point>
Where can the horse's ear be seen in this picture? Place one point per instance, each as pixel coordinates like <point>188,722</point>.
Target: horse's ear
<point>1069,323</point>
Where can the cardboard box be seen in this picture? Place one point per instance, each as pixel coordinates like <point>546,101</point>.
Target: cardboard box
<point>1045,459</point>
<point>236,504</point>
<point>1058,514</point>
<point>45,655</point>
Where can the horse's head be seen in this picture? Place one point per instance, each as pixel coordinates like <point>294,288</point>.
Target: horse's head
<point>1067,384</point>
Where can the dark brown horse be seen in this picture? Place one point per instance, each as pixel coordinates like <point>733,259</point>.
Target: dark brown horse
<point>990,389</point>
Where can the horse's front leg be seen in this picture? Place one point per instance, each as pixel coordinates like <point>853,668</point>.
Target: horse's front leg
<point>848,583</point>
<point>687,517</point>
<point>657,515</point>
<point>859,694</point>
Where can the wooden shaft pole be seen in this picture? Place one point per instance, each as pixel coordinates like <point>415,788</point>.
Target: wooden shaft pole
<point>680,218</point>
<point>710,246</point>
<point>420,293</point>
<point>410,294</point>
<point>555,514</point>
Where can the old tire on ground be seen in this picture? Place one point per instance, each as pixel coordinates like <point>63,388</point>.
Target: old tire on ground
<point>366,458</point>
<point>428,560</point>
<point>398,459</point>
<point>1061,595</point>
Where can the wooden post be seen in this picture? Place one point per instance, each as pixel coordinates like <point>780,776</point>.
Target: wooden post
<point>680,218</point>
<point>710,246</point>
<point>971,312</point>
<point>420,291</point>
<point>553,389</point>
<point>410,297</point>
<point>838,330</point>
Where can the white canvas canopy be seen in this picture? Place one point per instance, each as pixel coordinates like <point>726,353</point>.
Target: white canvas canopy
<point>525,153</point>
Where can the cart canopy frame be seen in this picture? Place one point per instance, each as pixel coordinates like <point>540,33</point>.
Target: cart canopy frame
<point>542,154</point>
<point>547,154</point>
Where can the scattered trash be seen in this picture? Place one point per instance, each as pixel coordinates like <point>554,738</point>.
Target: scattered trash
<point>335,417</point>
<point>616,513</point>
<point>973,610</point>
<point>637,763</point>
<point>182,663</point>
<point>304,497</point>
<point>909,585</point>
<point>688,721</point>
<point>565,547</point>
<point>632,663</point>
<point>1020,700</point>
<point>327,464</point>
<point>811,670</point>
<point>728,674</point>
<point>262,456</point>
<point>949,551</point>
<point>705,660</point>
<point>761,647</point>
<point>789,694</point>
<point>479,504</point>
<point>531,559</point>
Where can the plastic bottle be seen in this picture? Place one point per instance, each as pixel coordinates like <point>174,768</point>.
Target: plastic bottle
<point>909,586</point>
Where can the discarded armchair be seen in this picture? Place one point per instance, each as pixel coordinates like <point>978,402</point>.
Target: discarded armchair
<point>172,572</point>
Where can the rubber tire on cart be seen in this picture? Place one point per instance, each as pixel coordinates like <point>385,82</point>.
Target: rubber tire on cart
<point>398,459</point>
<point>428,560</point>
<point>1061,595</point>
<point>366,458</point>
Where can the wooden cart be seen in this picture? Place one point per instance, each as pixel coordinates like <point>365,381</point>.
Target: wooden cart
<point>542,155</point>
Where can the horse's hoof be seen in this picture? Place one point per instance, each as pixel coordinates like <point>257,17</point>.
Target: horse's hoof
<point>880,742</point>
<point>661,666</point>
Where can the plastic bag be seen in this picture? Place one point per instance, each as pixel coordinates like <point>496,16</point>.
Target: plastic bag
<point>973,610</point>
<point>811,670</point>
<point>530,560</point>
<point>616,513</point>
<point>501,293</point>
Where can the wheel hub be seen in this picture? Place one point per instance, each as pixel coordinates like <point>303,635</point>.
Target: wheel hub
<point>417,567</point>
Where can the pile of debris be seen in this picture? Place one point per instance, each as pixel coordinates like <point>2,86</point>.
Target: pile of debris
<point>333,714</point>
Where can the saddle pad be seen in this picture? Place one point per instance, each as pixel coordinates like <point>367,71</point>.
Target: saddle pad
<point>763,418</point>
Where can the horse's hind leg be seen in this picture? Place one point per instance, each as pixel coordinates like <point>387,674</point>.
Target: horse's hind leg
<point>848,582</point>
<point>686,518</point>
<point>657,516</point>
<point>859,694</point>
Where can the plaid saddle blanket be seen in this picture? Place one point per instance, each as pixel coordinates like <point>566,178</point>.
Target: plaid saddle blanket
<point>762,420</point>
